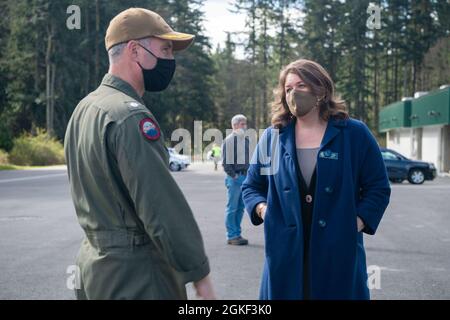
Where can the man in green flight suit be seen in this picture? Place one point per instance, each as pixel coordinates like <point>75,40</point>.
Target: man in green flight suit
<point>142,241</point>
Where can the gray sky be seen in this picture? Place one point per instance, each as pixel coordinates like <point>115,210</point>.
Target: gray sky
<point>218,20</point>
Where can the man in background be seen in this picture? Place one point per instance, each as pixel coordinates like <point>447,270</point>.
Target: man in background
<point>236,160</point>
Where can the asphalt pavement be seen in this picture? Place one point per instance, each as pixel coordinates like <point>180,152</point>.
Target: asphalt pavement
<point>40,237</point>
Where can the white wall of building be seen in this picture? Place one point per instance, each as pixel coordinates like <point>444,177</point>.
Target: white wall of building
<point>423,144</point>
<point>400,140</point>
<point>431,145</point>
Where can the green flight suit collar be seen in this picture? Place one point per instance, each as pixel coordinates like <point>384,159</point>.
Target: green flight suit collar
<point>121,85</point>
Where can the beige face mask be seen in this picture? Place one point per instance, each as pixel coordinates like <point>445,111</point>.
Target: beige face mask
<point>301,103</point>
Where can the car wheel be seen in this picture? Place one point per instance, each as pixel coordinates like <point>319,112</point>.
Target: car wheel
<point>416,176</point>
<point>174,166</point>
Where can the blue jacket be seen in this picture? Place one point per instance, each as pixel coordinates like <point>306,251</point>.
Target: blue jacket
<point>351,181</point>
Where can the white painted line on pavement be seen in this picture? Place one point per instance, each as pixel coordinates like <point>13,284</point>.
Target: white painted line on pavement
<point>392,269</point>
<point>421,187</point>
<point>34,178</point>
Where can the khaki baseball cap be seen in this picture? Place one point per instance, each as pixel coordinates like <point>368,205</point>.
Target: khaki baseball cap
<point>139,23</point>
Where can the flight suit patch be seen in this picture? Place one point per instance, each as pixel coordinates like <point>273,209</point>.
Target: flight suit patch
<point>149,129</point>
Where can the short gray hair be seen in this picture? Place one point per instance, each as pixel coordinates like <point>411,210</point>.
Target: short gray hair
<point>237,118</point>
<point>115,52</point>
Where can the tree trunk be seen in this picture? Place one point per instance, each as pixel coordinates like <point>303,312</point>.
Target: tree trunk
<point>87,83</point>
<point>376,106</point>
<point>414,76</point>
<point>282,42</point>
<point>394,53</point>
<point>97,33</point>
<point>52,95</point>
<point>255,115</point>
<point>265,65</point>
<point>48,80</point>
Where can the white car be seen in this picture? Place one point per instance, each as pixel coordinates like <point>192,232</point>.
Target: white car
<point>177,161</point>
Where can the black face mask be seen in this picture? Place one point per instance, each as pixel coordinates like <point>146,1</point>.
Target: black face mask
<point>158,78</point>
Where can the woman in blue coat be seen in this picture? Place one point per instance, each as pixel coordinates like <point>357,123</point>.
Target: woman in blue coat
<point>318,182</point>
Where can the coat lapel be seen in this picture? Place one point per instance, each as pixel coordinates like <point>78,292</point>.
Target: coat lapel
<point>333,129</point>
<point>330,158</point>
<point>288,147</point>
<point>287,136</point>
<point>287,139</point>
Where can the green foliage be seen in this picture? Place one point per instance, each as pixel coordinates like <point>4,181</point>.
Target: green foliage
<point>79,60</point>
<point>3,157</point>
<point>371,68</point>
<point>5,134</point>
<point>190,96</point>
<point>39,150</point>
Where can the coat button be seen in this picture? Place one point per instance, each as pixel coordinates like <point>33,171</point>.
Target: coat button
<point>308,198</point>
<point>322,223</point>
<point>328,189</point>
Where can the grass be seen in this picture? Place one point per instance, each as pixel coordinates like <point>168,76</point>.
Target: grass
<point>40,149</point>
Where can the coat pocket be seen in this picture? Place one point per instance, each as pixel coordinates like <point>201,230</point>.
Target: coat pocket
<point>287,211</point>
<point>289,219</point>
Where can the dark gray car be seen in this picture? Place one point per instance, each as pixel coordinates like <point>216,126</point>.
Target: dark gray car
<point>400,168</point>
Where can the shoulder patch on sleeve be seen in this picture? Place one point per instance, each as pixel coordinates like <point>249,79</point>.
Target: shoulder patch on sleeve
<point>149,129</point>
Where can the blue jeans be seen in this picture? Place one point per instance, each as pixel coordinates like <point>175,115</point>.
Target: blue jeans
<point>235,206</point>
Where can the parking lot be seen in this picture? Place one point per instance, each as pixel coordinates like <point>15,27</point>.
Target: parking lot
<point>40,237</point>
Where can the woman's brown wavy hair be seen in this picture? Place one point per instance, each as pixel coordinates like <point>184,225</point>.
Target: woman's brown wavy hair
<point>320,84</point>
